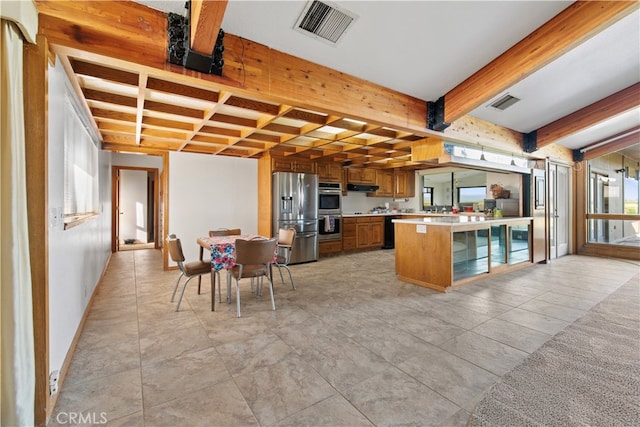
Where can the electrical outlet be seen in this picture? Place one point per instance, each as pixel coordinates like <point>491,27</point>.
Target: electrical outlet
<point>53,383</point>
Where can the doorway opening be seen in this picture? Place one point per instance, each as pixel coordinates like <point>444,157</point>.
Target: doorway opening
<point>135,204</point>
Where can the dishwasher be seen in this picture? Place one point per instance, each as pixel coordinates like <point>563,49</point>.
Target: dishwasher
<point>389,239</point>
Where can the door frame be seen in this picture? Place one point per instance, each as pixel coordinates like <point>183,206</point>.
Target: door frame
<point>115,204</point>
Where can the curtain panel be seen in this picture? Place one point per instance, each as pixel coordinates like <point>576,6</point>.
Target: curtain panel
<point>16,311</point>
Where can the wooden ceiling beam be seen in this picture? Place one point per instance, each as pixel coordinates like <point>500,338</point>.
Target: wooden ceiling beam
<point>205,21</point>
<point>621,141</point>
<point>618,103</point>
<point>571,27</point>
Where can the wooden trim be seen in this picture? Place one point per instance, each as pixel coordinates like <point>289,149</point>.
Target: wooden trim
<point>164,200</point>
<point>114,209</point>
<point>205,20</point>
<point>610,251</point>
<point>264,195</point>
<point>613,217</point>
<point>618,103</point>
<point>580,205</point>
<point>571,27</point>
<point>35,74</point>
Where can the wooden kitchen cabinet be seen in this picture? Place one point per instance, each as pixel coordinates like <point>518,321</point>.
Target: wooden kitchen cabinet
<point>361,176</point>
<point>349,232</point>
<point>365,232</point>
<point>385,182</point>
<point>328,248</point>
<point>329,172</point>
<point>404,184</point>
<point>281,164</point>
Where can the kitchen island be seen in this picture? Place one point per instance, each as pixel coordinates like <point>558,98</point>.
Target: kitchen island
<point>444,251</point>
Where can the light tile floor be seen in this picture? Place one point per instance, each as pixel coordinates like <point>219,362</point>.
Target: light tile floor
<point>351,346</point>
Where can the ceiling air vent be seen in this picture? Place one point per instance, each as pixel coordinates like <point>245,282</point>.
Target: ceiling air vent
<point>504,102</point>
<point>324,21</point>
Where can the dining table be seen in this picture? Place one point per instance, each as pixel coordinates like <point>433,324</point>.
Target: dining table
<point>223,255</point>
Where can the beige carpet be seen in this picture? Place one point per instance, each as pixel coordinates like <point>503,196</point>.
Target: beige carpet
<point>587,375</point>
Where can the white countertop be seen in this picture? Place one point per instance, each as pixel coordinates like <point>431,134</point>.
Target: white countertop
<point>417,214</point>
<point>454,220</point>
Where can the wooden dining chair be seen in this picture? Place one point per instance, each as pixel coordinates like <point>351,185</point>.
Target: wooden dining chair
<point>187,269</point>
<point>220,232</point>
<point>286,238</point>
<point>253,260</point>
<point>225,232</point>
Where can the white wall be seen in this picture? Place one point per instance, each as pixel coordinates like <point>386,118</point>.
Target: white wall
<point>137,160</point>
<point>207,192</point>
<point>77,256</point>
<point>133,205</point>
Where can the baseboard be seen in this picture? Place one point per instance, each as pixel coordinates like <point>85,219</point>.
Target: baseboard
<point>74,343</point>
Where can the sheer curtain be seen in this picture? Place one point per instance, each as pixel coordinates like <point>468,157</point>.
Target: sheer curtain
<point>16,314</point>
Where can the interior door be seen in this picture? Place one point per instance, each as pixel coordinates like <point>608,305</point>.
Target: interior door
<point>559,223</point>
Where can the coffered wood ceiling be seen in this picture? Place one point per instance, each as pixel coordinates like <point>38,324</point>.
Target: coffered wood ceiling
<point>143,110</point>
<point>266,100</point>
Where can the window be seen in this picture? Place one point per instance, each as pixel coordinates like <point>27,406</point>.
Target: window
<point>471,195</point>
<point>427,196</point>
<point>80,168</point>
<point>631,192</point>
<point>614,194</point>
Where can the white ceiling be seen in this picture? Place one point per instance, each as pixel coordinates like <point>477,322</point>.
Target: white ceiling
<point>426,48</point>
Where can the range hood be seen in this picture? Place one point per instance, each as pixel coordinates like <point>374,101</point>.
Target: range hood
<point>362,187</point>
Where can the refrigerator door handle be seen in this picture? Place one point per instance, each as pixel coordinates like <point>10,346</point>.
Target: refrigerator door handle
<point>301,194</point>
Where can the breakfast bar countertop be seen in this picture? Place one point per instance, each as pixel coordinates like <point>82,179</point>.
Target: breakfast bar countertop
<point>455,220</point>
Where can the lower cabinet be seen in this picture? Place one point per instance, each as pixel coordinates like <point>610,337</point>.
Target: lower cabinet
<point>365,232</point>
<point>349,232</point>
<point>332,247</point>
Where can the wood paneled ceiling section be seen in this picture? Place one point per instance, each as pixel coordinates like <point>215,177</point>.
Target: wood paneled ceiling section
<point>266,100</point>
<point>138,111</point>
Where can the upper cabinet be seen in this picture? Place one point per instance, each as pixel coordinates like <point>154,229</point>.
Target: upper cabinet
<point>329,172</point>
<point>385,183</point>
<point>283,164</point>
<point>361,176</point>
<point>394,183</point>
<point>404,184</point>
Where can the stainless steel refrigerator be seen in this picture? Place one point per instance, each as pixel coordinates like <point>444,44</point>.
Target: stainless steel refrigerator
<point>295,204</point>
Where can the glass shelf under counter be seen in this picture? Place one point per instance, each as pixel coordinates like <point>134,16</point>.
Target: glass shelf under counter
<point>519,244</point>
<point>480,251</point>
<point>470,253</point>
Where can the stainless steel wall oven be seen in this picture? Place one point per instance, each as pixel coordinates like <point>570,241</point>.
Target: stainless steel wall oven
<point>329,211</point>
<point>329,198</point>
<point>329,227</point>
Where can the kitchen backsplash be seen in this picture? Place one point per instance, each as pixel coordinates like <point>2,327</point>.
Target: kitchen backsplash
<point>359,202</point>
